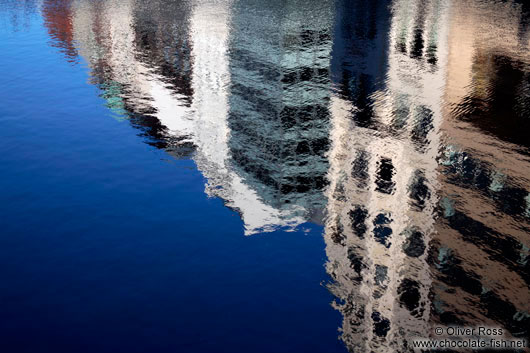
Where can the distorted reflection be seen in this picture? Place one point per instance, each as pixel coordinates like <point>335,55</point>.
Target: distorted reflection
<point>388,69</point>
<point>401,126</point>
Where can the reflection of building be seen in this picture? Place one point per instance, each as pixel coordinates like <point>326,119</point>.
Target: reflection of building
<point>481,256</point>
<point>279,118</point>
<point>413,241</point>
<point>382,198</point>
<point>58,17</point>
<point>170,75</point>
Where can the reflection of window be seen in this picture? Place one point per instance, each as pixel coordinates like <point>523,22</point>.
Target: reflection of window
<point>358,220</point>
<point>360,168</point>
<point>418,190</point>
<point>423,118</point>
<point>381,324</point>
<point>414,245</point>
<point>385,171</point>
<point>382,231</point>
<point>401,111</point>
<point>409,296</point>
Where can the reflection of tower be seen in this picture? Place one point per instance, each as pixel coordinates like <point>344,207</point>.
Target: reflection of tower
<point>383,169</point>
<point>279,117</point>
<point>481,254</point>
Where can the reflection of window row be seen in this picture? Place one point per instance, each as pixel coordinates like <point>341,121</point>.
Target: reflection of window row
<point>500,247</point>
<point>408,119</point>
<point>305,38</point>
<point>421,28</point>
<point>418,188</point>
<point>463,170</point>
<point>268,71</point>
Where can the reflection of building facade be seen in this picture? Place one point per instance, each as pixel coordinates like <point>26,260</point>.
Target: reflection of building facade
<point>402,257</point>
<point>143,62</point>
<point>481,256</point>
<point>279,98</point>
<point>382,198</point>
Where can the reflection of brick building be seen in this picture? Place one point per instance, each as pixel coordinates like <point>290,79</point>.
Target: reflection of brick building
<point>389,73</point>
<point>480,255</point>
<point>58,20</point>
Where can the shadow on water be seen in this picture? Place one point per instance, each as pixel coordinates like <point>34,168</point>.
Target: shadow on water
<point>400,126</point>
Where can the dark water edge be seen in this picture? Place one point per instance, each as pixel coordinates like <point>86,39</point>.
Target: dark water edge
<point>262,176</point>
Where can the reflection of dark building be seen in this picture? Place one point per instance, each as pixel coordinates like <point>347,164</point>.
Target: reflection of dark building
<point>499,101</point>
<point>279,119</point>
<point>490,77</point>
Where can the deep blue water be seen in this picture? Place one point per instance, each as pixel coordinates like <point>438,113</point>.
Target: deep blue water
<point>109,245</point>
<point>122,229</point>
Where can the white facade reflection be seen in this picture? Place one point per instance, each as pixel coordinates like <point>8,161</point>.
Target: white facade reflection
<point>382,198</point>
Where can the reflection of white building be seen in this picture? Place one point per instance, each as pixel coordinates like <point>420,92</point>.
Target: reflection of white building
<point>382,196</point>
<point>107,37</point>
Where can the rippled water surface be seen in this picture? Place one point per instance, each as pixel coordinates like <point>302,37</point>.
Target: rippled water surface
<point>262,176</point>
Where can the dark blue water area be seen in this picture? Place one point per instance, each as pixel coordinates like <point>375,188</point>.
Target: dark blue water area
<point>110,245</point>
